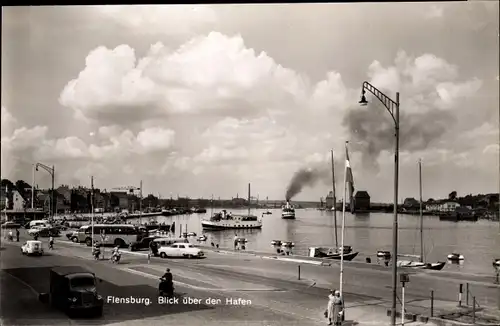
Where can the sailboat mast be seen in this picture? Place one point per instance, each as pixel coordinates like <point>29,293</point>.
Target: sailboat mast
<point>249,199</point>
<point>212,206</point>
<point>421,214</point>
<point>334,200</point>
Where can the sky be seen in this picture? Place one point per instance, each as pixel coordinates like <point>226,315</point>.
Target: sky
<point>202,100</point>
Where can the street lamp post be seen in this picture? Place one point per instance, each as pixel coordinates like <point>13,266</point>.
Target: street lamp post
<point>393,109</point>
<point>51,171</point>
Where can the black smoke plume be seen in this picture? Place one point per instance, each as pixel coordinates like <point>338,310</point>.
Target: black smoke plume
<point>371,130</point>
<point>307,177</point>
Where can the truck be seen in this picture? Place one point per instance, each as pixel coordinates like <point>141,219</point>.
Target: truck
<point>74,289</point>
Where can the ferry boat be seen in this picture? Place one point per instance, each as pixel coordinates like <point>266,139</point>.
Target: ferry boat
<point>226,221</point>
<point>288,212</point>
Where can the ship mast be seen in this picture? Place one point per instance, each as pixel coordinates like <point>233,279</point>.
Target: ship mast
<point>248,198</point>
<point>421,214</point>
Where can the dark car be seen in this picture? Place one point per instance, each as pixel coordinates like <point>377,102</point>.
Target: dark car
<point>11,225</point>
<point>46,232</point>
<point>73,289</point>
<point>143,243</point>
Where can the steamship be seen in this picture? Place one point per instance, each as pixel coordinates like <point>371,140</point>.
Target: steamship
<point>288,212</point>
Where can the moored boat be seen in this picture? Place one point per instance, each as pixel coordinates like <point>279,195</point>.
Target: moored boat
<point>455,256</point>
<point>288,244</point>
<point>383,254</point>
<point>202,238</point>
<point>496,262</point>
<point>276,242</point>
<point>331,253</point>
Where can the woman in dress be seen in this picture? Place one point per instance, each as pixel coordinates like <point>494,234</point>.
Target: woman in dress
<point>335,308</point>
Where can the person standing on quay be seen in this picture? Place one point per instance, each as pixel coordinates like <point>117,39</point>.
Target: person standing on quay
<point>17,235</point>
<point>335,308</point>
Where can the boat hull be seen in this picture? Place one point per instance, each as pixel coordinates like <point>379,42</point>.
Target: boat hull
<point>225,225</point>
<point>288,216</point>
<point>347,257</point>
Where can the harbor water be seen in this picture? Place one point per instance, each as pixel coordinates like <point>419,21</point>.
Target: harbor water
<point>479,242</point>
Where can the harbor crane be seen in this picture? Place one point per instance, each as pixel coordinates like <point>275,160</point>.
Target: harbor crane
<point>131,190</point>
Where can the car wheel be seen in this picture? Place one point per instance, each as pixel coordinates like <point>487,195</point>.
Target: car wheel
<point>74,239</point>
<point>163,255</point>
<point>190,256</point>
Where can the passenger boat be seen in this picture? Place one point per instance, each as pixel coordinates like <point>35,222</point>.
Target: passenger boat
<point>227,221</point>
<point>288,212</point>
<point>455,257</point>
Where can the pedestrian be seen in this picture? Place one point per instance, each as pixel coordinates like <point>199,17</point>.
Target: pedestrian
<point>51,242</point>
<point>17,235</point>
<point>335,310</point>
<point>235,241</point>
<point>11,236</point>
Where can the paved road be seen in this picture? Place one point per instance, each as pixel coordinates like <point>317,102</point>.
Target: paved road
<point>272,286</point>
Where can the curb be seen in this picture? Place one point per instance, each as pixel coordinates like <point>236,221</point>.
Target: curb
<point>426,319</point>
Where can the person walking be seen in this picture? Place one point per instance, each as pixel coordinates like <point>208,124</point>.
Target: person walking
<point>235,241</point>
<point>17,235</point>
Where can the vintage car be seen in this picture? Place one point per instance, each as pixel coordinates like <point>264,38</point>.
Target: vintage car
<point>32,247</point>
<point>181,249</point>
<point>11,225</point>
<point>43,231</point>
<point>143,243</point>
<point>73,289</point>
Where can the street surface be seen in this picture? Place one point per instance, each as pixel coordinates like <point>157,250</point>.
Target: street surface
<point>277,296</point>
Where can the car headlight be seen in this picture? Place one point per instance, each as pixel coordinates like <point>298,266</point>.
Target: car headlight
<point>72,299</point>
<point>99,297</point>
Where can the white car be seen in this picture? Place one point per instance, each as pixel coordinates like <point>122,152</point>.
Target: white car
<point>36,229</point>
<point>180,250</point>
<point>32,247</point>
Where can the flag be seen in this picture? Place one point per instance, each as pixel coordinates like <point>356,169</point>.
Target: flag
<point>349,178</point>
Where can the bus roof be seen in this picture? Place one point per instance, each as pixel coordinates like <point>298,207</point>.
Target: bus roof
<point>66,270</point>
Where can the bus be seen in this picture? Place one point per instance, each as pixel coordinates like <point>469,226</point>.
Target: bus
<point>122,235</point>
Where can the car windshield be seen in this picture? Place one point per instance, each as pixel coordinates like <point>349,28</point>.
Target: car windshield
<point>189,246</point>
<point>82,282</point>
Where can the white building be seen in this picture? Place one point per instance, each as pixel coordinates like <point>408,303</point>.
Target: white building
<point>18,202</point>
<point>442,206</point>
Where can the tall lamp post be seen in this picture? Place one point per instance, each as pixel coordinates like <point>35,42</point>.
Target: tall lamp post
<point>393,109</point>
<point>51,171</point>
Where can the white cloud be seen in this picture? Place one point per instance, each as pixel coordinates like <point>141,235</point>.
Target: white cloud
<point>8,122</point>
<point>491,149</point>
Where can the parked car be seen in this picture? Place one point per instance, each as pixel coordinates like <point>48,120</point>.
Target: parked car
<point>32,247</point>
<point>11,225</point>
<point>143,243</point>
<point>179,249</point>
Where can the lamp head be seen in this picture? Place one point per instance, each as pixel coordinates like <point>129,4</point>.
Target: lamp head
<point>36,168</point>
<point>363,100</point>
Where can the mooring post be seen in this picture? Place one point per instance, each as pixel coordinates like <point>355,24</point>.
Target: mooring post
<point>473,310</point>
<point>298,268</point>
<point>432,303</point>
<point>467,294</point>
<point>460,291</point>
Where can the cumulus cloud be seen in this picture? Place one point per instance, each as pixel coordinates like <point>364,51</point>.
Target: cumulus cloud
<point>213,74</point>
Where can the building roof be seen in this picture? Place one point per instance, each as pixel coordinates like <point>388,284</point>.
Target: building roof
<point>362,194</point>
<point>66,270</point>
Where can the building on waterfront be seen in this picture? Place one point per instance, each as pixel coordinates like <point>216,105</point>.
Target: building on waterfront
<point>119,201</point>
<point>411,203</point>
<point>361,201</point>
<point>3,200</point>
<point>442,206</point>
<point>18,202</point>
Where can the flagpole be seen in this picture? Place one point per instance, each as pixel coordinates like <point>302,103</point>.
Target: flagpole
<point>342,232</point>
<point>92,206</point>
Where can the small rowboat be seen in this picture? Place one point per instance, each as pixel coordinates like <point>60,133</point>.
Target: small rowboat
<point>384,254</point>
<point>455,257</point>
<point>276,242</point>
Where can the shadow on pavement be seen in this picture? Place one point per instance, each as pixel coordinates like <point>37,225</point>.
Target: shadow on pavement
<point>142,299</point>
